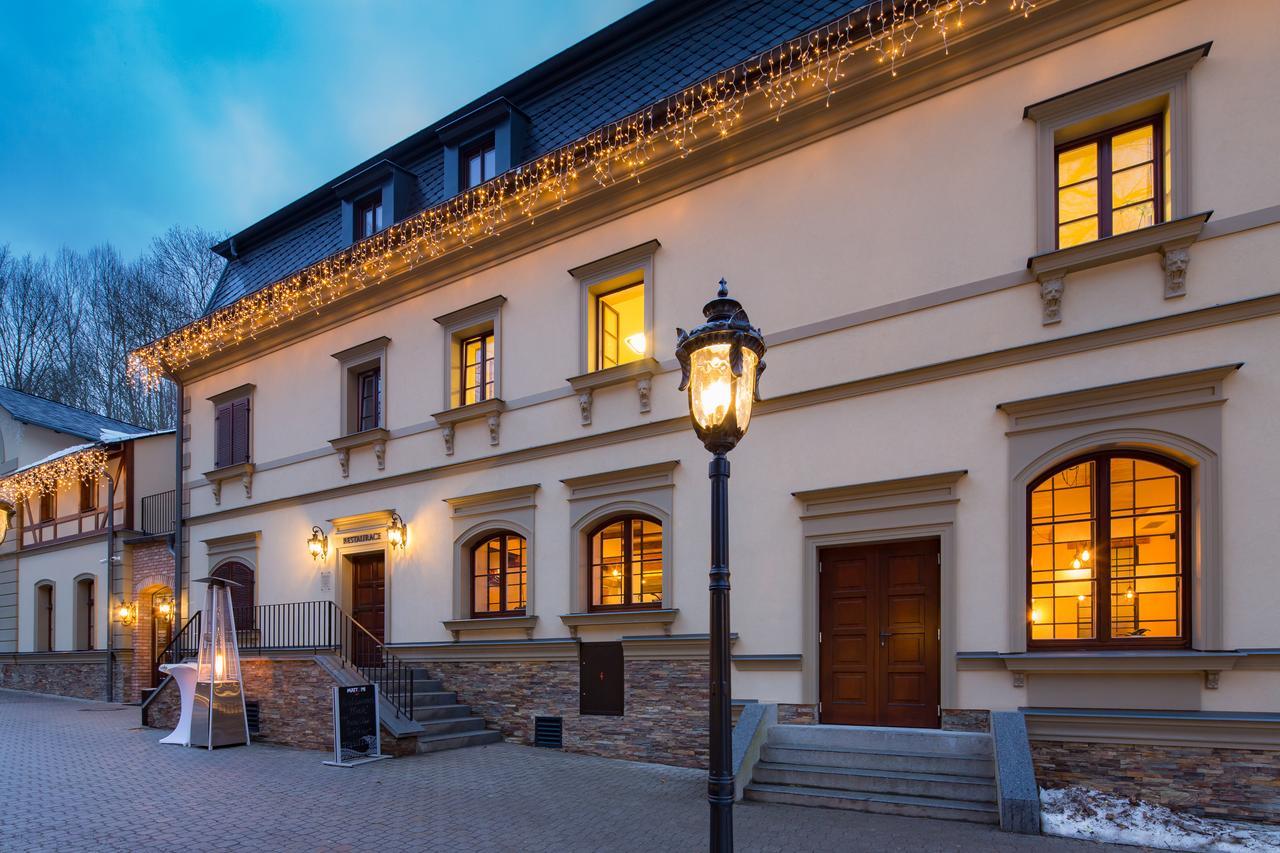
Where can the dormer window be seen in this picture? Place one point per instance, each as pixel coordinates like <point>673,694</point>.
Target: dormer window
<point>480,164</point>
<point>368,216</point>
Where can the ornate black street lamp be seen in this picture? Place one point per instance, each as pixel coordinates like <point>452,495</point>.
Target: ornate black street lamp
<point>720,362</point>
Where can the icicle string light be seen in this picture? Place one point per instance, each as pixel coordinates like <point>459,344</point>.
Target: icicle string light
<point>614,152</point>
<point>84,466</point>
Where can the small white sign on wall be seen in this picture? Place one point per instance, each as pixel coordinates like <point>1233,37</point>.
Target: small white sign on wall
<point>326,581</point>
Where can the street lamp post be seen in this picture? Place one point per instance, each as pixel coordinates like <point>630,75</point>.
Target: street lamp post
<point>720,362</point>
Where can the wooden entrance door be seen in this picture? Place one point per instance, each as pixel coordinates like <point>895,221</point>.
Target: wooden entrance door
<point>879,649</point>
<point>369,604</point>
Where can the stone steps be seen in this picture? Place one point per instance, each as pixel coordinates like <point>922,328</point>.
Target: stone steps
<point>912,772</point>
<point>876,803</point>
<point>446,724</point>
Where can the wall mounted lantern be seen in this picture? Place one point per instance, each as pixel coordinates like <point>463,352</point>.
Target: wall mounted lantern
<point>6,518</point>
<point>318,544</point>
<point>397,532</point>
<point>164,608</point>
<point>720,363</point>
<point>127,613</point>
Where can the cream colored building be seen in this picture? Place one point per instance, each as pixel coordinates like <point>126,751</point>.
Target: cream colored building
<point>1033,461</point>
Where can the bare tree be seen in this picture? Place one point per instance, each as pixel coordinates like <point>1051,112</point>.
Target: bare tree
<point>67,324</point>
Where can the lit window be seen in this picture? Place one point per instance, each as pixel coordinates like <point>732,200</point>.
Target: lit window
<point>1108,543</point>
<point>368,216</point>
<point>476,364</point>
<point>626,564</point>
<point>1109,184</point>
<point>498,576</point>
<point>479,165</point>
<point>619,326</point>
<point>369,399</point>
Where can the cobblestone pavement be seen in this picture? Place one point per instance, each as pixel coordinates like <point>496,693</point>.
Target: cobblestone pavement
<point>80,775</point>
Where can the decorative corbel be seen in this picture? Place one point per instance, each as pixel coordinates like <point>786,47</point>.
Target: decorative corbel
<point>447,432</point>
<point>1175,260</point>
<point>217,491</point>
<point>246,479</point>
<point>584,406</point>
<point>1051,289</point>
<point>344,460</point>
<point>380,454</point>
<point>644,385</point>
<point>493,420</point>
<point>1019,679</point>
<point>1211,679</point>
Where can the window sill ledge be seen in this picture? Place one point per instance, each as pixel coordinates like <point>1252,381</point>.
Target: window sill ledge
<point>620,617</point>
<point>495,623</point>
<point>343,445</point>
<point>1102,662</point>
<point>491,410</point>
<point>1170,239</point>
<point>641,372</point>
<point>243,470</point>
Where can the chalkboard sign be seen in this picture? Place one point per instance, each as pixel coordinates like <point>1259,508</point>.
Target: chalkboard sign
<point>355,725</point>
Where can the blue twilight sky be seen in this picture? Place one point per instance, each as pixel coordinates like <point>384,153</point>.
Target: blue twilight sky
<point>119,119</point>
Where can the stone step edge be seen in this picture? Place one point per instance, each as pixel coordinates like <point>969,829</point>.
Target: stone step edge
<point>907,775</point>
<point>897,753</point>
<point>896,799</point>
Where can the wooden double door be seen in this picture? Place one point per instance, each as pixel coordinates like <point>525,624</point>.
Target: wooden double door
<point>879,648</point>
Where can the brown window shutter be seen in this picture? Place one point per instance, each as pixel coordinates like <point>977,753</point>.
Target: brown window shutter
<point>222,436</point>
<point>239,431</point>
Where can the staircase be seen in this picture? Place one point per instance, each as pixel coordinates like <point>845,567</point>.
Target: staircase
<point>914,772</point>
<point>445,723</point>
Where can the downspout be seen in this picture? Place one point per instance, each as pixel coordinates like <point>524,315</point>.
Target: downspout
<point>111,560</point>
<point>177,494</point>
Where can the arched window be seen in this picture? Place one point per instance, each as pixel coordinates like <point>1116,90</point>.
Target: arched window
<point>84,613</point>
<point>44,617</point>
<point>498,576</point>
<point>1109,544</point>
<point>626,564</point>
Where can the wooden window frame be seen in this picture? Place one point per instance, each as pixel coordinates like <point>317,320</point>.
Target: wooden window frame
<point>1103,140</point>
<point>373,375</point>
<point>478,149</point>
<point>486,390</point>
<point>601,308</point>
<point>1103,641</point>
<point>48,505</point>
<point>504,610</point>
<point>88,495</point>
<point>369,204</point>
<point>628,542</point>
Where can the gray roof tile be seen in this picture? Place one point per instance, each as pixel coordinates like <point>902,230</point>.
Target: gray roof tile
<point>61,418</point>
<point>698,41</point>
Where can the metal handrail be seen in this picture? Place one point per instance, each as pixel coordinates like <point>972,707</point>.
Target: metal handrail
<point>178,648</point>
<point>322,626</point>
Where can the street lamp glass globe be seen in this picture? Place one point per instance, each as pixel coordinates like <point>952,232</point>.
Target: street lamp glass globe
<point>719,400</point>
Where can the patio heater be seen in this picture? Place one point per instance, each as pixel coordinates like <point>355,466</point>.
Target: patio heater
<point>217,715</point>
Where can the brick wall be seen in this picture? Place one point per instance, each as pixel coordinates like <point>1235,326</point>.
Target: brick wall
<point>1226,783</point>
<point>152,566</point>
<point>78,679</point>
<point>664,712</point>
<point>295,697</point>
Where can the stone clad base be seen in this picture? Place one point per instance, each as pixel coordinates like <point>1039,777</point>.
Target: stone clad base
<point>295,696</point>
<point>966,720</point>
<point>80,675</point>
<point>664,713</point>
<point>1207,781</point>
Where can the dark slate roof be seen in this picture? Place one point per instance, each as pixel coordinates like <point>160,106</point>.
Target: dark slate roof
<point>655,51</point>
<point>61,418</point>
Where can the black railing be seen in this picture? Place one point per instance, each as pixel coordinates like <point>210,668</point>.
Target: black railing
<point>158,512</point>
<point>184,644</point>
<point>310,626</point>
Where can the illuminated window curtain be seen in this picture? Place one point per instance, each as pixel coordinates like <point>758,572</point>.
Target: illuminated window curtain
<point>1110,184</point>
<point>499,576</point>
<point>1107,552</point>
<point>626,564</point>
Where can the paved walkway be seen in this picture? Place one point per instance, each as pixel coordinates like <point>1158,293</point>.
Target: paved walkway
<point>84,776</point>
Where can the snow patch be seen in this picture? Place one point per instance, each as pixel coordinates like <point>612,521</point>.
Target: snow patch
<point>110,435</point>
<point>1085,813</point>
